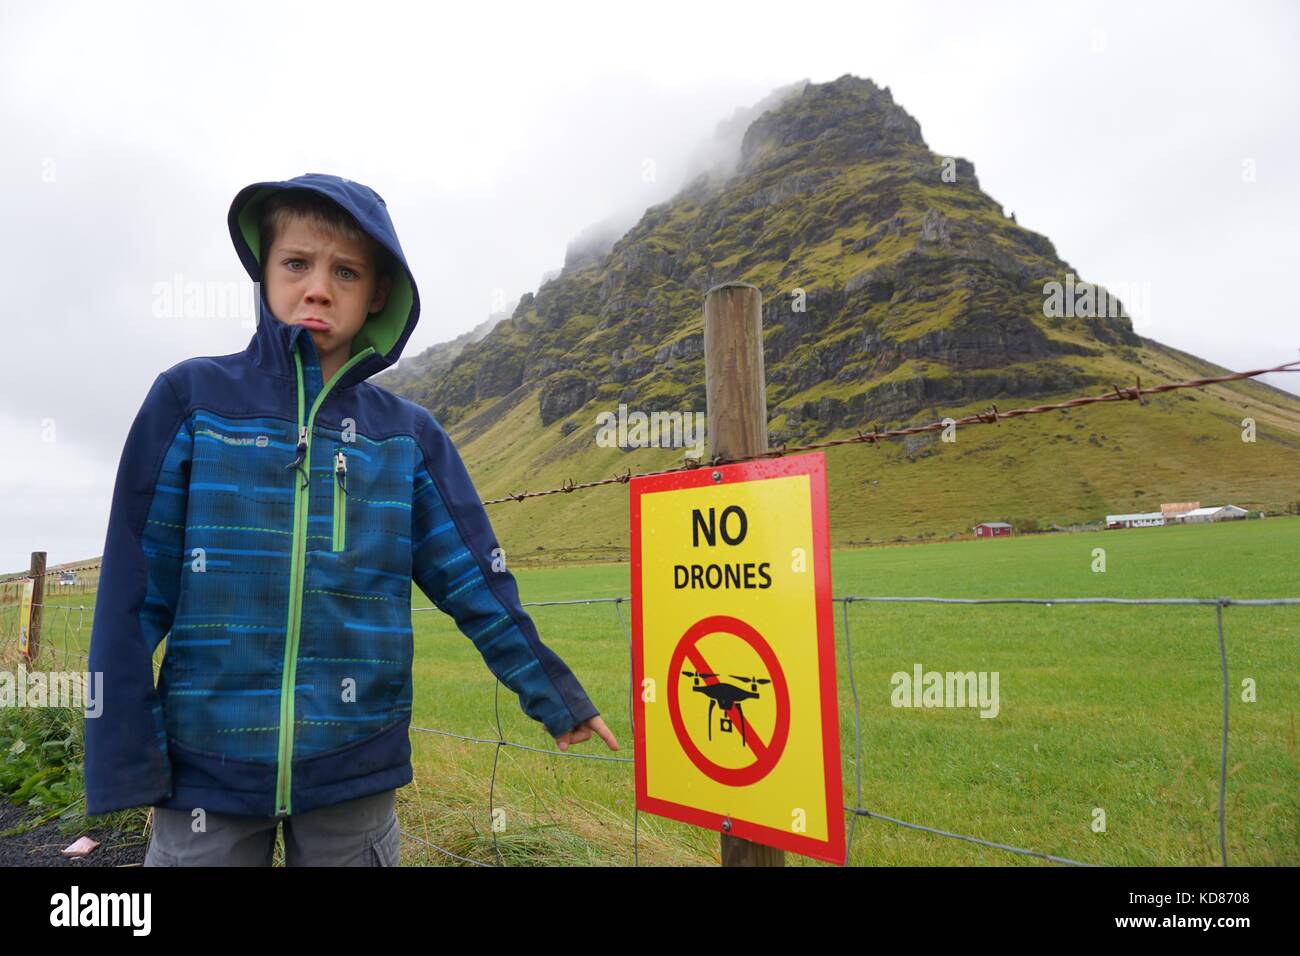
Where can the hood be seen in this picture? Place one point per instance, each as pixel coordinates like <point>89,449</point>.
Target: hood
<point>387,330</point>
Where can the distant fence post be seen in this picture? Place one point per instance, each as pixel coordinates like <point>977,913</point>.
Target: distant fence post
<point>736,424</point>
<point>37,573</point>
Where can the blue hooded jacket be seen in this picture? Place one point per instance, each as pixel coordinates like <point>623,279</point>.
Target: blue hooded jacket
<point>269,525</point>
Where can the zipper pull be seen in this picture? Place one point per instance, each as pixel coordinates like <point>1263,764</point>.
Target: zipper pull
<point>341,470</point>
<point>302,453</point>
<point>302,447</point>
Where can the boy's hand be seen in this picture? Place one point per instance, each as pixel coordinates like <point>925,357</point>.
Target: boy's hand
<point>583,731</point>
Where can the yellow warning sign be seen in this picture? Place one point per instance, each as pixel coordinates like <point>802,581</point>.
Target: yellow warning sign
<point>25,617</point>
<point>733,653</point>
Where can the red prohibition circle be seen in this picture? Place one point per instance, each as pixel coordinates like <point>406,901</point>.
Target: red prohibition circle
<point>761,767</point>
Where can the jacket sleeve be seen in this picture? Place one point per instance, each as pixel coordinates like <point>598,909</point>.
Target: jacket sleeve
<point>454,564</point>
<point>126,760</point>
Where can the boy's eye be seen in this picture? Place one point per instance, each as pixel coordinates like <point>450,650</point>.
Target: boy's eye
<point>293,264</point>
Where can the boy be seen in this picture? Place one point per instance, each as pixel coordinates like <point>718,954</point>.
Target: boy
<point>271,510</point>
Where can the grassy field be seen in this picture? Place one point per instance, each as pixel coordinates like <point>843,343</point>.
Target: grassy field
<point>1105,707</point>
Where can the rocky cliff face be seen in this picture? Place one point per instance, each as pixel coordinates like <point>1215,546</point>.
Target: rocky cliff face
<point>414,376</point>
<point>891,282</point>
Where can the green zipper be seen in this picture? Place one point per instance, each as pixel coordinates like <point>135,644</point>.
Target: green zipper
<point>340,501</point>
<point>301,503</point>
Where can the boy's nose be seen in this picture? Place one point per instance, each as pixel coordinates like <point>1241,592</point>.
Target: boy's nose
<point>318,295</point>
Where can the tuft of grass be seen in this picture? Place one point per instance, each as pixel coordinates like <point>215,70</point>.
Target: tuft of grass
<point>40,763</point>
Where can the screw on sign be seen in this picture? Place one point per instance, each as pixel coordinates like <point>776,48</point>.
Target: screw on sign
<point>729,698</point>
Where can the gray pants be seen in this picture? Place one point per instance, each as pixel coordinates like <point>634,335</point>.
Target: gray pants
<point>360,832</point>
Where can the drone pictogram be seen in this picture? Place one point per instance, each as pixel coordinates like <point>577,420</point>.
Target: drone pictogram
<point>726,696</point>
<point>688,660</point>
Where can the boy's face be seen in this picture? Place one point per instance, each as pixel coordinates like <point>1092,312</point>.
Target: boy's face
<point>309,274</point>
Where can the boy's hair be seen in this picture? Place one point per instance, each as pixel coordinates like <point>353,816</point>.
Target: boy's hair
<point>278,208</point>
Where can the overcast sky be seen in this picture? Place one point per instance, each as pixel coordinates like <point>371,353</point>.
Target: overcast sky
<point>1155,144</point>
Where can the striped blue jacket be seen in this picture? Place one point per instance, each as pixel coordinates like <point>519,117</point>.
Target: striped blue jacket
<point>269,525</point>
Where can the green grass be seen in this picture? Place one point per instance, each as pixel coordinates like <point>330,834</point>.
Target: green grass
<point>40,762</point>
<point>42,749</point>
<point>1110,707</point>
<point>1102,706</point>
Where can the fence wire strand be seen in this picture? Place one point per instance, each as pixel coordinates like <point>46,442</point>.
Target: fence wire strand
<point>70,648</point>
<point>859,809</point>
<point>990,417</point>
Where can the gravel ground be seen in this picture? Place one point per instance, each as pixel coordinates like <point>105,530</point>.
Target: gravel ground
<point>43,846</point>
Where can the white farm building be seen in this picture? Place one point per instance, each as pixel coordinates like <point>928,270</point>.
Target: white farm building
<point>1156,519</point>
<point>1200,515</point>
<point>1151,519</point>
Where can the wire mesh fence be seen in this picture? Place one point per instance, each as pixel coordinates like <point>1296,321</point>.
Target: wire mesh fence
<point>858,809</point>
<point>66,633</point>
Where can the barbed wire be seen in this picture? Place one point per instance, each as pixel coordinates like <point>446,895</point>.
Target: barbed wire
<point>14,578</point>
<point>876,435</point>
<point>71,634</point>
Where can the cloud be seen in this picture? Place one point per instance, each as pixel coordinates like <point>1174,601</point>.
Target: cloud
<point>498,135</point>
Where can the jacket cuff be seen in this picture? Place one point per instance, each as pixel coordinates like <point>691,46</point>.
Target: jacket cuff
<point>124,798</point>
<point>571,719</point>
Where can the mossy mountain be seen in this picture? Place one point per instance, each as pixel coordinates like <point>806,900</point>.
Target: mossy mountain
<point>894,290</point>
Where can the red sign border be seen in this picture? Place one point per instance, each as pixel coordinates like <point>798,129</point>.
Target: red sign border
<point>813,465</point>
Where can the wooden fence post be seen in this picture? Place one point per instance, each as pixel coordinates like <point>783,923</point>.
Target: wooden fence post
<point>37,573</point>
<point>736,426</point>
